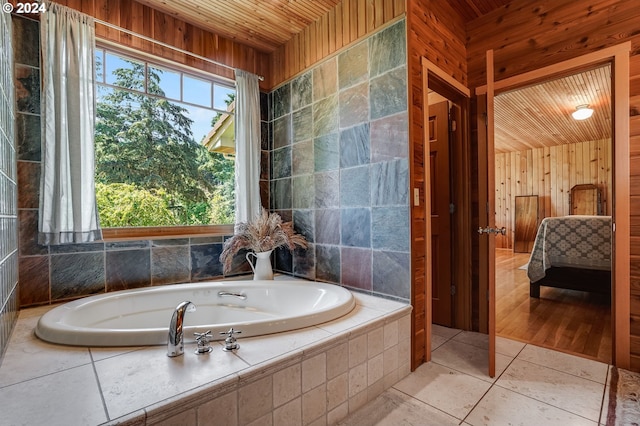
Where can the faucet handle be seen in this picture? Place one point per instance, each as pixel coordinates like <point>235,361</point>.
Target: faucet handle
<point>202,339</point>
<point>230,343</point>
<point>231,332</point>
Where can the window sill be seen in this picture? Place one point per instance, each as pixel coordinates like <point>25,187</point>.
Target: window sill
<point>165,232</point>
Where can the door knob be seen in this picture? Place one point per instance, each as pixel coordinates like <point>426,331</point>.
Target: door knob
<point>489,230</point>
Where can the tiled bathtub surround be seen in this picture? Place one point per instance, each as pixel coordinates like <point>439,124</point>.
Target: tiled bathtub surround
<point>8,189</point>
<point>316,375</point>
<point>339,165</point>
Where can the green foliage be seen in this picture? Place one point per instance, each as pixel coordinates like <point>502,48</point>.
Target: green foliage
<point>223,205</point>
<point>144,141</point>
<point>122,204</point>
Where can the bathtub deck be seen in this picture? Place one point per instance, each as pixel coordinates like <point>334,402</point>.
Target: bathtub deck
<point>316,375</point>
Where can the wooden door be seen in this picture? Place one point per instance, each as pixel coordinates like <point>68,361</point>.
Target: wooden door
<point>440,216</point>
<point>525,223</point>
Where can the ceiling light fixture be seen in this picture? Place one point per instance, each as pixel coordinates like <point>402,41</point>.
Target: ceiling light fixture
<point>582,112</point>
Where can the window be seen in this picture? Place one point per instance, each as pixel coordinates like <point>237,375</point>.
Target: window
<point>156,161</point>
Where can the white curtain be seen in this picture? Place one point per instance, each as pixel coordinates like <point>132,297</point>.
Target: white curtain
<point>68,211</point>
<point>247,128</point>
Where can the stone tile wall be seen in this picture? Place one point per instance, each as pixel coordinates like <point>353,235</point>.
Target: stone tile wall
<point>8,188</point>
<point>339,166</point>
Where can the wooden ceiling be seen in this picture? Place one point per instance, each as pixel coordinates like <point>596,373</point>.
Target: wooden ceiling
<point>540,115</point>
<point>263,25</point>
<point>267,24</point>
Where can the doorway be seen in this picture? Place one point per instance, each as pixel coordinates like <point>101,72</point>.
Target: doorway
<point>455,99</point>
<point>618,56</point>
<point>541,153</point>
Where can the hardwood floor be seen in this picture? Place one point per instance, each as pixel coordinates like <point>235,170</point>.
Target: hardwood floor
<point>564,320</point>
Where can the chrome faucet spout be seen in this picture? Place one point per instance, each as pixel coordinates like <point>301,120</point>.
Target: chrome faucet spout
<point>175,343</point>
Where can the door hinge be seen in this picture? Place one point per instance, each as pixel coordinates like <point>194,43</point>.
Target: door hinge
<point>454,125</point>
<point>452,208</point>
<point>453,289</point>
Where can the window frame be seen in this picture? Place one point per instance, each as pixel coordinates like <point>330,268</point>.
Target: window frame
<point>163,232</point>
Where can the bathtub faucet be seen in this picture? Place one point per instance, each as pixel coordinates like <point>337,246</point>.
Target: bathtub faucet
<point>175,345</point>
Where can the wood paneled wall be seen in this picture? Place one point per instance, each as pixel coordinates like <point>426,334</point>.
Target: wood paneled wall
<point>159,26</point>
<point>549,173</point>
<point>528,35</point>
<point>436,32</point>
<point>634,182</point>
<point>348,22</point>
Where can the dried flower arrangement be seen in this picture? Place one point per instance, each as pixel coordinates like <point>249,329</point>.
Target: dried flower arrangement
<point>266,232</point>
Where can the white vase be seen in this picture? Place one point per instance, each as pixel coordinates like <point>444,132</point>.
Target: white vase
<point>262,270</point>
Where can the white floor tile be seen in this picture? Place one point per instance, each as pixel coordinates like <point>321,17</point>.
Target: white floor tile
<point>478,340</point>
<point>443,388</point>
<point>508,347</point>
<point>393,408</point>
<point>469,359</point>
<point>28,357</point>
<point>562,390</point>
<point>578,366</point>
<point>504,407</point>
<point>605,406</point>
<point>437,341</point>
<point>70,397</point>
<point>445,332</point>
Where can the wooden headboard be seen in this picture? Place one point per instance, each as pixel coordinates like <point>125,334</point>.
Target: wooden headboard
<point>585,199</point>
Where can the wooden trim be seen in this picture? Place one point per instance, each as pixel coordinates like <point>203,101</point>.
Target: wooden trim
<point>621,308</point>
<point>427,69</point>
<point>428,279</point>
<point>483,217</point>
<point>595,58</point>
<point>433,68</point>
<point>619,55</point>
<point>491,201</point>
<point>164,232</point>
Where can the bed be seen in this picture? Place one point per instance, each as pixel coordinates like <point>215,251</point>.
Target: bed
<point>572,252</point>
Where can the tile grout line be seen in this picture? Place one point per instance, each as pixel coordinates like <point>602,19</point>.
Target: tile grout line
<point>95,373</point>
<point>492,385</point>
<point>421,402</point>
<point>544,402</point>
<point>604,394</point>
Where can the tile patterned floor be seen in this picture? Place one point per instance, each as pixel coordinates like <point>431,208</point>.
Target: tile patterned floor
<point>533,386</point>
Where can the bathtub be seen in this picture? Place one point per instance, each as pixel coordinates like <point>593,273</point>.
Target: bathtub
<point>141,317</point>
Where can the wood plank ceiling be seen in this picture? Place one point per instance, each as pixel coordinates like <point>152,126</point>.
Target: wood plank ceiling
<point>266,25</point>
<point>528,118</point>
<point>540,115</point>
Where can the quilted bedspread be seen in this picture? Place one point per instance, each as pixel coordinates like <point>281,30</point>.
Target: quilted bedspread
<point>573,241</point>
